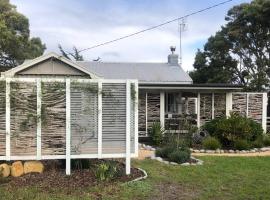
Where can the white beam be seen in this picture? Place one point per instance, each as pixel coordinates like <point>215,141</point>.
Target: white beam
<point>128,127</point>
<point>39,119</point>
<point>213,105</point>
<point>264,112</point>
<point>247,104</point>
<point>162,109</point>
<point>136,121</point>
<point>99,119</point>
<point>199,110</point>
<point>68,164</point>
<point>228,103</point>
<point>7,119</point>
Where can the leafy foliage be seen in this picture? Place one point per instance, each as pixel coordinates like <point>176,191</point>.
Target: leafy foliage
<point>179,155</point>
<point>235,127</point>
<point>211,143</point>
<point>156,133</point>
<point>266,140</point>
<point>241,145</point>
<point>15,42</point>
<point>240,51</point>
<point>106,171</point>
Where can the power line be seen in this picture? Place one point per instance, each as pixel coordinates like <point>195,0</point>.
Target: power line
<point>154,27</point>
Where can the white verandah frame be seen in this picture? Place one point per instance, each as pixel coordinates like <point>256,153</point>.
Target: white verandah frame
<point>68,156</point>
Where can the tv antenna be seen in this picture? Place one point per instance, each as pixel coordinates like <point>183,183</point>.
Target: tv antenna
<point>182,27</point>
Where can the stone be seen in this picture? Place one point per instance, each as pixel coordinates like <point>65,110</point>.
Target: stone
<point>237,151</point>
<point>33,167</point>
<point>153,149</point>
<point>231,151</point>
<point>196,151</point>
<point>185,164</point>
<point>221,151</point>
<point>4,170</point>
<point>166,162</point>
<point>210,151</point>
<point>202,151</point>
<point>16,169</point>
<point>252,151</point>
<point>243,151</point>
<point>159,159</point>
<point>173,163</point>
<point>152,157</point>
<point>217,151</point>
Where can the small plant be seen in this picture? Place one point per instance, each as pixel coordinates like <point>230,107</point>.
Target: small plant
<point>179,156</point>
<point>241,145</point>
<point>106,171</point>
<point>211,143</point>
<point>156,133</point>
<point>165,151</point>
<point>266,140</point>
<point>258,143</point>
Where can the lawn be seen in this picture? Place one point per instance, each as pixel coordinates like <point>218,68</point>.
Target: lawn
<point>219,178</point>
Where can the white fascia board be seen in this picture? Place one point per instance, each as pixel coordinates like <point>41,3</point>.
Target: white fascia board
<point>12,72</point>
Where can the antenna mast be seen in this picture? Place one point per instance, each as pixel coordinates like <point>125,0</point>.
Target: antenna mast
<point>182,28</point>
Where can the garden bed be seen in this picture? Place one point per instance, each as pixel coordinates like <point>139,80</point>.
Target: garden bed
<point>54,177</point>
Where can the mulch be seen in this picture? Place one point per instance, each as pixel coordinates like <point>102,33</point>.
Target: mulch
<point>54,178</point>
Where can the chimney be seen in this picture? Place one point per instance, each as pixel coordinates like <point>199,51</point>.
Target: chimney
<point>173,58</point>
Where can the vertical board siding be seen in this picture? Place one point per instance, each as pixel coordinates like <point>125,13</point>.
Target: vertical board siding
<point>153,108</point>
<point>54,125</point>
<point>113,118</point>
<point>142,114</point>
<point>132,116</point>
<point>23,105</point>
<point>2,118</point>
<point>205,108</point>
<point>220,105</point>
<point>84,118</point>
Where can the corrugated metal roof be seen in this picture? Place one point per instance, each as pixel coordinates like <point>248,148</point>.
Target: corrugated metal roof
<point>144,72</point>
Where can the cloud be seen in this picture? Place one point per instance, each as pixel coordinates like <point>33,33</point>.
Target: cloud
<point>87,23</point>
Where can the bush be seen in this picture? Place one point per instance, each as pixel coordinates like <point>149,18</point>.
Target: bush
<point>179,156</point>
<point>156,133</point>
<point>258,143</point>
<point>165,151</point>
<point>241,145</point>
<point>211,143</point>
<point>266,140</point>
<point>236,127</point>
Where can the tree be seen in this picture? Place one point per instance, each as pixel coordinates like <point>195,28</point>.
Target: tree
<point>75,55</point>
<point>240,51</point>
<point>15,42</point>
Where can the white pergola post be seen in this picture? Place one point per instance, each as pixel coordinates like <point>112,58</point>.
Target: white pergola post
<point>247,104</point>
<point>264,112</point>
<point>8,119</point>
<point>68,161</point>
<point>136,121</point>
<point>128,127</point>
<point>228,103</point>
<point>39,119</point>
<point>213,105</point>
<point>162,109</point>
<point>198,110</point>
<point>99,119</point>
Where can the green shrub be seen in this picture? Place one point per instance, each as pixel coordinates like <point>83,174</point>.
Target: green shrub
<point>241,145</point>
<point>258,143</point>
<point>106,171</point>
<point>156,133</point>
<point>266,140</point>
<point>211,143</point>
<point>236,127</point>
<point>179,156</point>
<point>165,151</point>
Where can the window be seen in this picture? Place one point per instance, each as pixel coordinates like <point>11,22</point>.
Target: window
<point>171,105</point>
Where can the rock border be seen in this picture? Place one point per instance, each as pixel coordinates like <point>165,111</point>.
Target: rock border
<point>145,176</point>
<point>230,151</point>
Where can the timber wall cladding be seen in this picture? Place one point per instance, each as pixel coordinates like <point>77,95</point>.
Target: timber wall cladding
<point>153,108</point>
<point>2,118</point>
<point>142,113</point>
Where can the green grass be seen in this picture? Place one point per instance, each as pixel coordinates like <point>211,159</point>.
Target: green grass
<point>219,178</point>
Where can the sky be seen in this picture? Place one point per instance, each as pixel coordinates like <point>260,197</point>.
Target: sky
<point>84,23</point>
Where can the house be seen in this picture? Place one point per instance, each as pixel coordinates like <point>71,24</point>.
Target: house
<point>166,92</point>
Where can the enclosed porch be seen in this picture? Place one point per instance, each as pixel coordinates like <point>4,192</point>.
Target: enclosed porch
<point>175,105</point>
